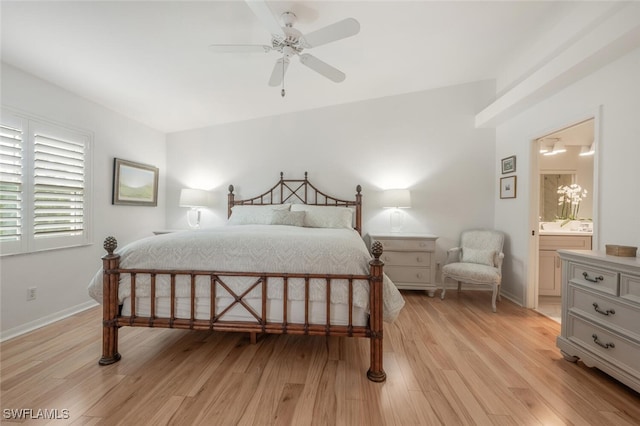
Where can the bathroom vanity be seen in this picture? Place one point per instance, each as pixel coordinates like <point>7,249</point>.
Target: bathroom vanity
<point>553,239</point>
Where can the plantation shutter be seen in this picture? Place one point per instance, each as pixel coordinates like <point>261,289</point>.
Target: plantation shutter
<point>59,182</point>
<point>11,183</point>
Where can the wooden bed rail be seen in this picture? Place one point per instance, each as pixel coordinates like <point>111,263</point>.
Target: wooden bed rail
<point>112,319</point>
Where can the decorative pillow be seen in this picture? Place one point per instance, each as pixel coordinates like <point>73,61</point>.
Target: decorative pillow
<point>481,257</point>
<point>255,215</point>
<point>325,216</point>
<point>284,217</point>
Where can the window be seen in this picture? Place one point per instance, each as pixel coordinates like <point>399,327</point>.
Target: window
<point>44,185</point>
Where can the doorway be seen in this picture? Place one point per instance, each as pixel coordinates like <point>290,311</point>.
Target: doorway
<point>564,204</point>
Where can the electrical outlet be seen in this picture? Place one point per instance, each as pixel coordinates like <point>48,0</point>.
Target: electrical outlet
<point>31,293</point>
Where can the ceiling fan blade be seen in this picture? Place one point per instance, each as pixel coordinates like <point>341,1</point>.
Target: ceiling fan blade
<point>261,9</point>
<point>279,70</point>
<point>341,29</point>
<point>322,68</point>
<point>240,48</point>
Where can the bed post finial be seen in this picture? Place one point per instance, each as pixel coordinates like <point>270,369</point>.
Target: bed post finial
<point>281,175</point>
<point>230,189</point>
<point>358,189</point>
<point>376,249</point>
<point>110,244</point>
<point>305,175</point>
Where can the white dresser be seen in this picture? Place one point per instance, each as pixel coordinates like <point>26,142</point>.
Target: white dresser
<point>601,313</point>
<point>409,259</point>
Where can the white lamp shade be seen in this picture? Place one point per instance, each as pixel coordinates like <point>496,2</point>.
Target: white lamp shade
<point>194,198</point>
<point>398,198</point>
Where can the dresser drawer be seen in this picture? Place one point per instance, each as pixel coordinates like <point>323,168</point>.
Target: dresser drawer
<point>406,244</point>
<point>611,312</point>
<point>605,344</point>
<point>593,277</point>
<point>630,288</point>
<point>407,258</point>
<point>399,274</point>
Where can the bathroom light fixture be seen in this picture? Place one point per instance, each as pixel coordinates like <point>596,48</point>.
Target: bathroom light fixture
<point>587,150</point>
<point>194,198</point>
<point>545,146</point>
<point>396,199</point>
<point>558,147</point>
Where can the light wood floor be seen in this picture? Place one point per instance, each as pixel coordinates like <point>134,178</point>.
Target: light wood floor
<point>450,362</point>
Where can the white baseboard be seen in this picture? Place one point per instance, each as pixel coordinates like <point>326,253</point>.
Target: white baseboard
<point>49,319</point>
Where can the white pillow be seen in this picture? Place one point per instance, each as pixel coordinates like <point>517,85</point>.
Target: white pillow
<point>254,214</point>
<point>481,257</point>
<point>285,217</point>
<point>325,216</point>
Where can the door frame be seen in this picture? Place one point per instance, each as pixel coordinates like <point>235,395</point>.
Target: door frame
<point>531,294</point>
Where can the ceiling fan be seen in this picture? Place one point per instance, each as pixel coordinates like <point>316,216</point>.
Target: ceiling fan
<point>289,42</point>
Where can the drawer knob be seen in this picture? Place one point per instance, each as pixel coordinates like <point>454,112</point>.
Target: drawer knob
<point>600,311</point>
<point>599,343</point>
<point>419,259</point>
<point>593,280</point>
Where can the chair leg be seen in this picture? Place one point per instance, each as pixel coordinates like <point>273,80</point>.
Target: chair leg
<point>493,298</point>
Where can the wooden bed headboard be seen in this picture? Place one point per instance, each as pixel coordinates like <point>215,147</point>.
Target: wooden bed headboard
<point>299,191</point>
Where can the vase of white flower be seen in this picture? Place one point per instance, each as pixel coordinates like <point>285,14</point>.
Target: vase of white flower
<point>569,202</point>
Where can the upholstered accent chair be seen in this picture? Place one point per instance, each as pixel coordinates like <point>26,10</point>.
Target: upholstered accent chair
<point>478,261</point>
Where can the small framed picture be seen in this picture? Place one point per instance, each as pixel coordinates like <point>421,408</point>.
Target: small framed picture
<point>508,187</point>
<point>509,164</point>
<point>134,184</point>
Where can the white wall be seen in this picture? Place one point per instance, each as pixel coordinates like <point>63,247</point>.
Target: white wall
<point>615,89</point>
<point>425,141</point>
<point>61,276</point>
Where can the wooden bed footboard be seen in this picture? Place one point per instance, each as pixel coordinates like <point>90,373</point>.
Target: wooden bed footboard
<point>113,320</point>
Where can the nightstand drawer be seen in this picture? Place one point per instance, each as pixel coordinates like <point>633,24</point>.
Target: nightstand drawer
<point>605,344</point>
<point>406,244</point>
<point>608,311</point>
<point>408,274</point>
<point>596,278</point>
<point>406,258</point>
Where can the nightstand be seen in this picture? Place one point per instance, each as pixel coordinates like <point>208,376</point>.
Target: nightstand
<point>409,259</point>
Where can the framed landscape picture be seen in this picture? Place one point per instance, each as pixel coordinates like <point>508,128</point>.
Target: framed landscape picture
<point>134,184</point>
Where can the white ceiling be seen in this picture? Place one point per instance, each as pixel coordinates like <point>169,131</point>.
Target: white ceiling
<point>149,60</point>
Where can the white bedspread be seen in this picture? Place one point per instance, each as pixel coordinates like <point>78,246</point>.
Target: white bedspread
<point>255,248</point>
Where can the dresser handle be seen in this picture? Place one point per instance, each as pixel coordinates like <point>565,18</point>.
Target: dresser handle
<point>600,311</point>
<point>599,343</point>
<point>419,259</point>
<point>593,280</point>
